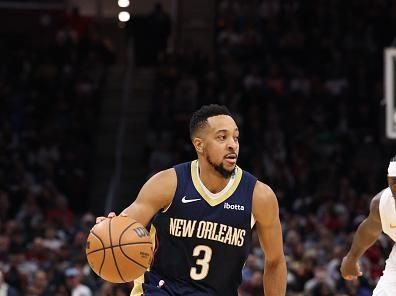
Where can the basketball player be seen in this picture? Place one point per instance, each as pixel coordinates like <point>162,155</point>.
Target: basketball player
<point>202,213</point>
<point>382,217</point>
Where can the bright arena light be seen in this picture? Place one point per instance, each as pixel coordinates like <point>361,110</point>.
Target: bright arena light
<point>124,16</point>
<point>123,3</point>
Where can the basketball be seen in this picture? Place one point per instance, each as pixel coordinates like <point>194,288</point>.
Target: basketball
<point>119,249</point>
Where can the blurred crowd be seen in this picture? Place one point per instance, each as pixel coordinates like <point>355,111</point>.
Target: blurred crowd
<point>304,80</point>
<point>51,78</point>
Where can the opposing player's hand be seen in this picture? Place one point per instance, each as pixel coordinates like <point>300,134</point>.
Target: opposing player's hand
<point>110,215</point>
<point>350,269</point>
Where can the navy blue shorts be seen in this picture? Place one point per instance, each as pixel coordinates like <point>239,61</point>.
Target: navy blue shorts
<point>155,285</point>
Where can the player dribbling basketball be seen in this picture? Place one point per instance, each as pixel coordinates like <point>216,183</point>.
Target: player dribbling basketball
<point>202,214</point>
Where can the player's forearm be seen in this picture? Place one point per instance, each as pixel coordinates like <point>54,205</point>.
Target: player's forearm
<point>275,278</point>
<point>363,239</point>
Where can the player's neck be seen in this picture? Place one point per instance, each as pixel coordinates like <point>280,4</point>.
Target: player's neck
<point>210,178</point>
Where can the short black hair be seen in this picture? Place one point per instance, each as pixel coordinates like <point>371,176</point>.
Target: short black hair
<point>200,117</point>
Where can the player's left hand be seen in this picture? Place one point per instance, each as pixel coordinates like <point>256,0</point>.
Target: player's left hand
<point>350,269</point>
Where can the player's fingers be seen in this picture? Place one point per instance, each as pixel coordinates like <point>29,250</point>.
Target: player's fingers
<point>111,215</point>
<point>360,273</point>
<point>100,219</point>
<point>350,277</point>
<point>123,214</point>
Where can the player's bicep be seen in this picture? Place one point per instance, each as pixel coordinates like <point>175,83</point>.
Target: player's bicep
<point>268,226</point>
<point>156,194</point>
<point>270,237</point>
<point>372,224</point>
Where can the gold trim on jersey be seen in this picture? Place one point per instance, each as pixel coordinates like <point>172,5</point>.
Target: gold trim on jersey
<point>138,286</point>
<point>138,283</point>
<point>225,195</point>
<point>153,235</point>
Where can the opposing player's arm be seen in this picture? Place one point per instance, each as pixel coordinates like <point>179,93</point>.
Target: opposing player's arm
<point>156,194</point>
<point>368,231</point>
<point>269,230</point>
<point>365,236</point>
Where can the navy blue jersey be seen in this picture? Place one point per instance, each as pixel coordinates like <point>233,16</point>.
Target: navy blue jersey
<point>201,242</point>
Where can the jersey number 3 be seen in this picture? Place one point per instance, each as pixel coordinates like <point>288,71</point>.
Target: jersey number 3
<point>201,271</point>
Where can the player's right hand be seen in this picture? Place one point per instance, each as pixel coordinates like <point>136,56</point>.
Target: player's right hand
<point>100,219</point>
<point>110,215</point>
<point>350,269</point>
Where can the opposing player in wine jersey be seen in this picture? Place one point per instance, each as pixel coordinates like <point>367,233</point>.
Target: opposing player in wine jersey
<point>201,215</point>
<point>382,218</point>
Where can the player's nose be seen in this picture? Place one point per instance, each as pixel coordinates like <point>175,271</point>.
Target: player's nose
<point>232,145</point>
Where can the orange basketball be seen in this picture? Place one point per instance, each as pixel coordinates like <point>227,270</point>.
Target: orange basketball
<point>119,249</point>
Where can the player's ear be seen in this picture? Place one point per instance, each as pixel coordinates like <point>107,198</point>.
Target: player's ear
<point>392,184</point>
<point>198,144</point>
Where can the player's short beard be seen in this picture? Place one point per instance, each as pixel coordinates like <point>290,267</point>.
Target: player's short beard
<point>220,169</point>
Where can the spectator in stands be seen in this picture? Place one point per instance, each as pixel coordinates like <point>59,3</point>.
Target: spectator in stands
<point>5,288</point>
<point>73,280</point>
<point>39,284</point>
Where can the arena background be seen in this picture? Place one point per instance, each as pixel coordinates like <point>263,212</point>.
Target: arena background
<point>91,106</point>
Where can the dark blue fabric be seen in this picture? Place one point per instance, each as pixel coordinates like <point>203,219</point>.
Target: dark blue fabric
<point>222,231</point>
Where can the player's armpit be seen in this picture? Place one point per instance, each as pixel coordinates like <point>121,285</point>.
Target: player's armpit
<point>156,194</point>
